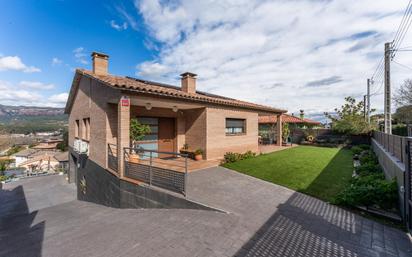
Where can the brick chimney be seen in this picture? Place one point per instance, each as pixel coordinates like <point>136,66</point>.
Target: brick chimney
<point>100,63</point>
<point>188,82</point>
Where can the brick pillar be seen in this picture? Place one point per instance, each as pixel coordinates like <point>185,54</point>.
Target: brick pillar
<point>279,126</point>
<point>123,129</point>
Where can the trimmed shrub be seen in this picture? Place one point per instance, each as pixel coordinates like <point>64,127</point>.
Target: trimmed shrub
<point>356,150</point>
<point>234,157</point>
<point>368,158</point>
<point>364,147</point>
<point>370,190</point>
<point>368,169</point>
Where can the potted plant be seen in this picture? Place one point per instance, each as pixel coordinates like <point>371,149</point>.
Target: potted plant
<point>198,154</point>
<point>137,133</point>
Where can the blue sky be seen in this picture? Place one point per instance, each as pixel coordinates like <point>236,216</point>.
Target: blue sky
<point>303,54</point>
<point>39,31</point>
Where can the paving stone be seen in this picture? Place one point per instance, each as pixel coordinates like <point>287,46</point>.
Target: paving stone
<point>262,219</point>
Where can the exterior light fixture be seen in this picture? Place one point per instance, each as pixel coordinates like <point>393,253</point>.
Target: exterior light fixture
<point>174,108</point>
<point>148,106</point>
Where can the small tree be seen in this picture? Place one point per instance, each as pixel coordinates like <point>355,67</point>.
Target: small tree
<point>350,119</point>
<point>137,131</point>
<point>64,145</point>
<point>285,131</point>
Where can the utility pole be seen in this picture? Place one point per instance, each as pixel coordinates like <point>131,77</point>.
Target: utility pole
<point>364,108</point>
<point>387,94</point>
<point>368,93</point>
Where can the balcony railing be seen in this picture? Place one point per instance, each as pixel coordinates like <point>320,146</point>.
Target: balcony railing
<point>81,146</point>
<point>112,161</point>
<point>166,170</point>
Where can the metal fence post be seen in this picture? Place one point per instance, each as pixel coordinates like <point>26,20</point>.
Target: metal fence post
<point>125,164</point>
<point>150,169</point>
<point>185,189</point>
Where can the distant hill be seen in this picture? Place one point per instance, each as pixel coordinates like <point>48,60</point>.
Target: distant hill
<point>16,112</point>
<point>30,119</point>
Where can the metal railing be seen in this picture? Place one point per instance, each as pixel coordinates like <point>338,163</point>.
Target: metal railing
<point>166,170</point>
<point>112,161</point>
<point>392,143</point>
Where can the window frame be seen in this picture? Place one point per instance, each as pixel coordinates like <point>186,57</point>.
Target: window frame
<point>86,132</point>
<point>77,128</point>
<point>244,128</point>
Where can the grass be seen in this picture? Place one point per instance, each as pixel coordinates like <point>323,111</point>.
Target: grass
<point>317,171</point>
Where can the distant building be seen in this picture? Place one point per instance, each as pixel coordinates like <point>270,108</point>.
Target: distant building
<point>40,164</point>
<point>23,156</point>
<point>50,144</point>
<point>48,134</point>
<point>63,159</point>
<point>34,160</point>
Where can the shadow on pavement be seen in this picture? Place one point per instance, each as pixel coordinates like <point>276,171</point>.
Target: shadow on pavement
<point>305,226</point>
<point>18,235</point>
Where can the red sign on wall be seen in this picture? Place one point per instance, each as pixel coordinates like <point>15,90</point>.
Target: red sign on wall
<point>125,102</point>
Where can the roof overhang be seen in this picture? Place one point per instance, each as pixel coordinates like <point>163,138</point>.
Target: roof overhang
<point>180,96</point>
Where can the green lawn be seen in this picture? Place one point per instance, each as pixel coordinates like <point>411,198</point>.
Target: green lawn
<point>318,171</point>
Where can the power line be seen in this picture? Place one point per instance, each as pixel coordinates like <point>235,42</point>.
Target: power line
<point>377,68</point>
<point>401,24</point>
<point>402,65</point>
<point>379,89</point>
<point>403,29</point>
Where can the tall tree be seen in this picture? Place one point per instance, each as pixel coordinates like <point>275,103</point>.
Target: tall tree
<point>403,96</point>
<point>349,118</point>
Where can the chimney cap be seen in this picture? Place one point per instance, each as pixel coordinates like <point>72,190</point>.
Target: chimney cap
<point>102,55</point>
<point>188,74</point>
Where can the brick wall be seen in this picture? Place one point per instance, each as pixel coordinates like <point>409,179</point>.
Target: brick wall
<point>196,128</point>
<point>218,143</point>
<point>202,128</point>
<point>91,101</point>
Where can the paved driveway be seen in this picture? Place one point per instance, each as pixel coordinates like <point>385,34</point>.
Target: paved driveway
<point>262,220</point>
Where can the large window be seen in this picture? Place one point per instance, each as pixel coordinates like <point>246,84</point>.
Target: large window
<point>235,126</point>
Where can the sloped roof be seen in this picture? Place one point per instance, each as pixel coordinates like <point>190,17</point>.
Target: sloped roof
<point>46,146</point>
<point>159,89</point>
<point>44,158</point>
<point>25,152</point>
<point>287,119</point>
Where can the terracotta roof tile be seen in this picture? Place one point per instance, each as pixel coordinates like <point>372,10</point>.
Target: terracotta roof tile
<point>287,118</point>
<point>153,88</point>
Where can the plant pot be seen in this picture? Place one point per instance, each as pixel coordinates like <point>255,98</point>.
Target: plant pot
<point>134,158</point>
<point>198,157</point>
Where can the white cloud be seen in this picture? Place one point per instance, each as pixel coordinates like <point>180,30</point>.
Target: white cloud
<point>240,49</point>
<point>118,27</point>
<point>15,63</point>
<point>56,61</point>
<point>80,55</point>
<point>36,85</point>
<point>128,18</point>
<point>17,94</point>
<point>10,95</point>
<point>59,99</point>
